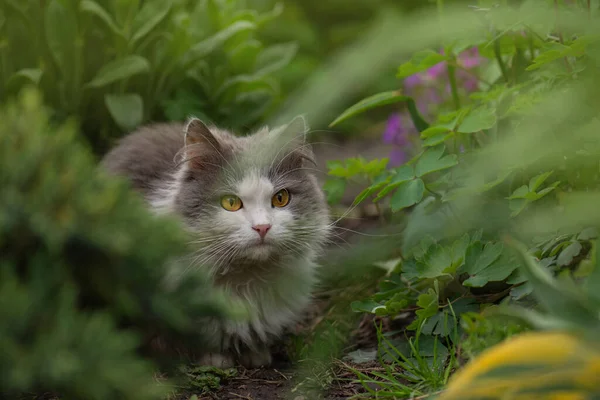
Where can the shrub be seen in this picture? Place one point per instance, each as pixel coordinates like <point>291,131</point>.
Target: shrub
<point>82,269</point>
<point>117,64</point>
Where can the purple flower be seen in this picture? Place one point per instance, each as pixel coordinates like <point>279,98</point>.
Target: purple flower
<point>436,71</point>
<point>469,58</point>
<point>397,157</point>
<point>412,81</point>
<point>397,129</point>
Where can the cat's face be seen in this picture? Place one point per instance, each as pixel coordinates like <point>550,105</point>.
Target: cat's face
<point>251,198</point>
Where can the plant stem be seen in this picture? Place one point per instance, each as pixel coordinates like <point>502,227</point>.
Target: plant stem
<point>560,36</point>
<point>498,55</point>
<point>453,86</point>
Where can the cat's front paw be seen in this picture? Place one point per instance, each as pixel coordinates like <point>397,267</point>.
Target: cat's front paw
<point>217,360</point>
<point>256,359</point>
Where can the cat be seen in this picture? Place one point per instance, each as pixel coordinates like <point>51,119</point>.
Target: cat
<point>256,213</point>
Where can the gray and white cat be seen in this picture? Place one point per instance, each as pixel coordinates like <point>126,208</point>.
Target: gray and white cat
<point>255,211</point>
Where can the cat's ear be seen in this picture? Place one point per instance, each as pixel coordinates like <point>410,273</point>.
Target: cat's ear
<point>297,128</point>
<point>299,149</point>
<point>201,145</point>
<point>196,132</point>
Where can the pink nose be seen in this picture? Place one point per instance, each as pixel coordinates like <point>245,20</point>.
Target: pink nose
<point>262,229</point>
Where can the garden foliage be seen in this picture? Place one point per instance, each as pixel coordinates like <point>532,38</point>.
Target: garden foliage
<point>494,136</point>
<point>82,270</point>
<point>116,64</point>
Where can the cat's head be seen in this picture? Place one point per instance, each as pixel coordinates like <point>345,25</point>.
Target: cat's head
<point>252,198</point>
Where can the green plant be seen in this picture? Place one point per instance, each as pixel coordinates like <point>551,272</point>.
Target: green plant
<point>83,270</point>
<point>509,147</point>
<point>118,64</point>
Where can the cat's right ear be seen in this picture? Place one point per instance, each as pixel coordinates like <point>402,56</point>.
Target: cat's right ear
<point>200,144</point>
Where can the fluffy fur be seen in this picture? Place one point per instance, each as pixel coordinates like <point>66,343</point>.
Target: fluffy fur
<point>185,170</point>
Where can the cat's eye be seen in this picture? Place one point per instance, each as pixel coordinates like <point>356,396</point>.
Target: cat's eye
<point>281,198</point>
<point>231,202</point>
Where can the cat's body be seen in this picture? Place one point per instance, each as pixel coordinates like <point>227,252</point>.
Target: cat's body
<point>256,213</point>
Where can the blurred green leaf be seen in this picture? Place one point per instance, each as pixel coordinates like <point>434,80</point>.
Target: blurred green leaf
<point>275,57</point>
<point>370,102</point>
<point>208,45</point>
<point>420,61</point>
<point>93,8</point>
<point>432,161</point>
<point>28,75</point>
<point>126,109</point>
<point>119,70</point>
<point>150,15</point>
<point>407,194</point>
<point>334,190</point>
<point>61,30</point>
<point>477,120</point>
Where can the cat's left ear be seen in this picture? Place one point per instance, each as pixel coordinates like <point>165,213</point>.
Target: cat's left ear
<point>295,134</point>
<point>297,128</point>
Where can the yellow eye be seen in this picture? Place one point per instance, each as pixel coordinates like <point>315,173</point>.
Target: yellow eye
<point>231,203</point>
<point>281,198</point>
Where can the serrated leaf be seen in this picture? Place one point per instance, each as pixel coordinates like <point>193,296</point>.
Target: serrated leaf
<point>126,109</point>
<point>119,70</point>
<point>561,301</point>
<point>588,234</point>
<point>432,161</point>
<point>93,8</point>
<point>477,120</point>
<point>536,181</point>
<point>408,194</point>
<point>370,102</point>
<point>566,256</point>
<point>420,61</point>
<point>402,174</point>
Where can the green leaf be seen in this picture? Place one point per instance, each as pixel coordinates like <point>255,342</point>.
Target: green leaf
<point>31,75</point>
<point>370,102</point>
<point>434,131</point>
<point>401,175</point>
<point>151,14</point>
<point>368,306</point>
<point>498,270</point>
<point>561,300</point>
<point>378,183</point>
<point>126,109</point>
<point>61,29</point>
<point>429,304</point>
<point>119,70</point>
<point>536,181</point>
<point>91,7</point>
<point>477,120</point>
<point>566,256</point>
<point>519,193</point>
<point>420,61</point>
<point>432,161</point>
<point>275,57</point>
<point>334,190</point>
<point>480,257</point>
<point>408,194</point>
<point>210,44</point>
